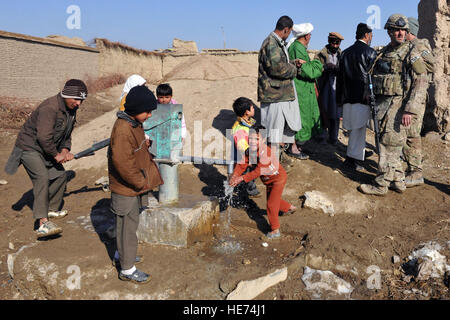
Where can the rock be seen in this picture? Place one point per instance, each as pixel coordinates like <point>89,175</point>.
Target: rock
<point>247,290</point>
<point>318,201</point>
<point>11,246</point>
<point>10,262</point>
<point>246,261</point>
<point>3,182</point>
<point>395,259</point>
<point>447,136</point>
<point>426,262</point>
<point>325,282</point>
<point>425,270</point>
<point>265,244</point>
<point>317,262</point>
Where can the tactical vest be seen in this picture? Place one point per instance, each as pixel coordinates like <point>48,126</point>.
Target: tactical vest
<point>392,74</point>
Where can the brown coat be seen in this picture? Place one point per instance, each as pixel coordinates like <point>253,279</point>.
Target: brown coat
<point>131,168</point>
<point>45,129</point>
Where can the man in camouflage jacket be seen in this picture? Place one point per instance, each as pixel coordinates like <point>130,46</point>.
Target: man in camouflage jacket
<point>413,147</point>
<point>279,107</point>
<point>400,82</point>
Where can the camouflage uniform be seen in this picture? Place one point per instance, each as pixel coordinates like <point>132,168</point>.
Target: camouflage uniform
<point>400,83</point>
<point>275,73</point>
<point>413,147</point>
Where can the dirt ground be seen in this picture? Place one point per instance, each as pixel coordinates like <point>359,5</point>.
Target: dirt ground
<point>365,231</point>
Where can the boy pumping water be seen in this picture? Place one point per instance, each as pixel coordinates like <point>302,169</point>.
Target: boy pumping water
<point>266,166</point>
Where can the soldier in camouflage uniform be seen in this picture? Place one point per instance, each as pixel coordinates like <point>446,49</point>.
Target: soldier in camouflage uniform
<point>400,82</point>
<point>413,147</point>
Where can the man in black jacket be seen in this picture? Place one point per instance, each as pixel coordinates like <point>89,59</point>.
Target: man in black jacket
<point>353,92</point>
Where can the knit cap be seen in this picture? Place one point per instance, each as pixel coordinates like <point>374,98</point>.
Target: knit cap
<point>140,99</point>
<point>74,89</point>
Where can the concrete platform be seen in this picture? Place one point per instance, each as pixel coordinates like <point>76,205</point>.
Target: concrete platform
<point>180,224</point>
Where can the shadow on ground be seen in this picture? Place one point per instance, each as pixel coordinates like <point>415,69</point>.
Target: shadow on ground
<point>104,223</point>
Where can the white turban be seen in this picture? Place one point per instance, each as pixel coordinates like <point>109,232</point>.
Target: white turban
<point>133,81</point>
<point>299,30</point>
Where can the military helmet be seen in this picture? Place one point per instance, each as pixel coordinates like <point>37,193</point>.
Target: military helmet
<point>397,21</point>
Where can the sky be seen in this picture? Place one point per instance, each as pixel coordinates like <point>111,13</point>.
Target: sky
<point>237,24</point>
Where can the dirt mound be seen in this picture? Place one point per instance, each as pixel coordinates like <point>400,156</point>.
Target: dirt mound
<point>210,68</point>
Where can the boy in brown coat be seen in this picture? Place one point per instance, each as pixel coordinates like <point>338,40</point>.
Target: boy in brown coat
<point>132,174</point>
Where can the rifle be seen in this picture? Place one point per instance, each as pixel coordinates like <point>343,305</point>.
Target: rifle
<point>91,151</point>
<point>374,109</point>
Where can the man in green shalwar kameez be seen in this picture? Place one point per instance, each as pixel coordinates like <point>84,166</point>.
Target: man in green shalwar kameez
<point>305,83</point>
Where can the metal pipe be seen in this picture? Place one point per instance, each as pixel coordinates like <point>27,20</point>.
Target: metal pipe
<point>199,160</point>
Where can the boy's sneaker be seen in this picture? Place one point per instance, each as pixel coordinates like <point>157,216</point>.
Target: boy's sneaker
<point>273,235</point>
<point>254,193</point>
<point>48,228</point>
<point>137,276</point>
<point>57,214</point>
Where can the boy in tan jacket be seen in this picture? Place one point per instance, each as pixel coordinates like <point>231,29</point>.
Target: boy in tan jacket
<point>132,174</point>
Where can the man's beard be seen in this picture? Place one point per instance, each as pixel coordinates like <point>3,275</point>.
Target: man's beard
<point>333,50</point>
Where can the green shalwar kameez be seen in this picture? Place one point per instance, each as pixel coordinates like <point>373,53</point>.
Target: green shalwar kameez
<point>306,92</point>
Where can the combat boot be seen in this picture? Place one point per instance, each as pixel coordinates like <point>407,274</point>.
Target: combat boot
<point>373,189</point>
<point>414,178</point>
<point>398,186</point>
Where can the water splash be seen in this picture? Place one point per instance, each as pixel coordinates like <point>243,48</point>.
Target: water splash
<point>227,244</point>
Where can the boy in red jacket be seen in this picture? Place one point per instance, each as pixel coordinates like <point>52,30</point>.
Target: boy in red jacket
<point>272,175</point>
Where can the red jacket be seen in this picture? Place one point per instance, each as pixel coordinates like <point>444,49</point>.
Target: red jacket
<point>267,166</point>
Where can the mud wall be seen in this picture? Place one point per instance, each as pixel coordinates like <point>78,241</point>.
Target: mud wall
<point>155,66</point>
<point>118,58</point>
<point>434,23</point>
<point>37,68</point>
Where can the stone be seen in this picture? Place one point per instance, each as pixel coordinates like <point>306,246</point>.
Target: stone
<point>320,283</point>
<point>248,290</point>
<point>246,262</point>
<point>11,246</point>
<point>265,244</point>
<point>318,201</point>
<point>178,225</point>
<point>395,259</point>
<point>317,262</point>
<point>447,136</point>
<point>3,182</point>
<point>427,262</point>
